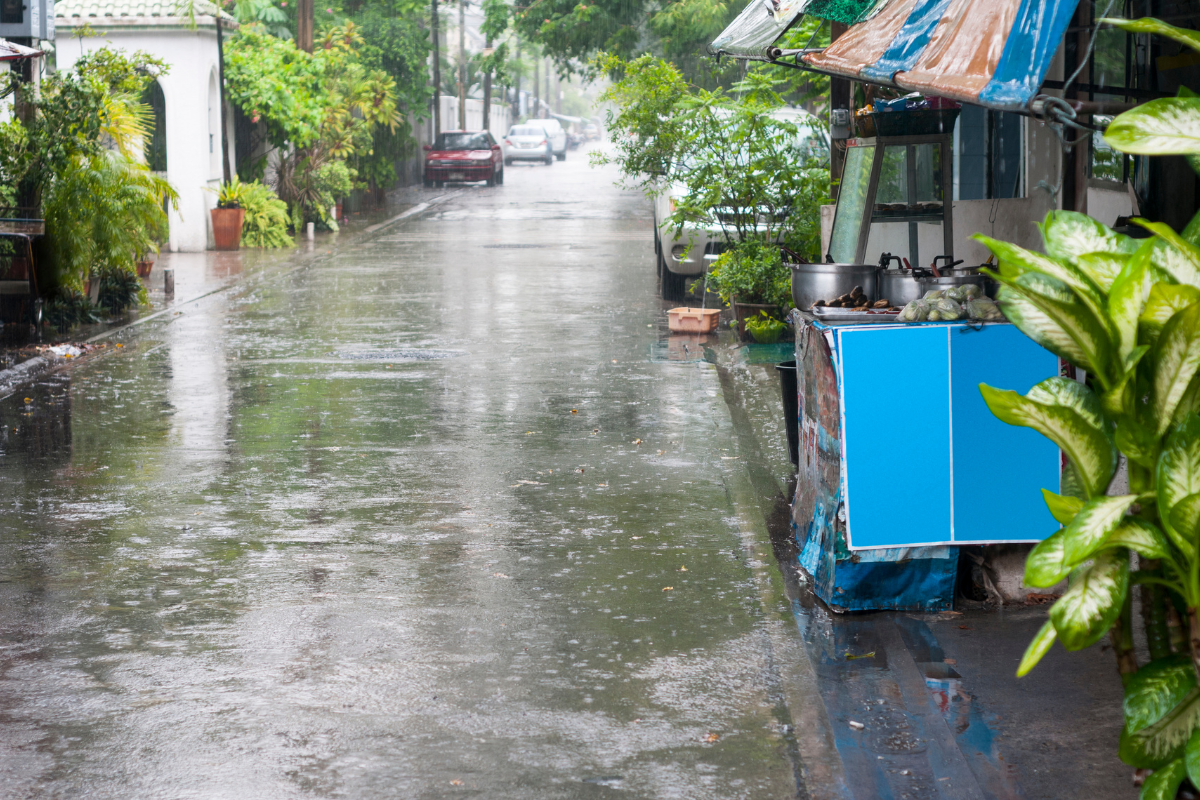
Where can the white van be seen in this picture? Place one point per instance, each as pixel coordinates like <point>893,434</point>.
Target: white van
<point>556,135</point>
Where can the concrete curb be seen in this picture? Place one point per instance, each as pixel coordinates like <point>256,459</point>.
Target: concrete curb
<point>26,371</point>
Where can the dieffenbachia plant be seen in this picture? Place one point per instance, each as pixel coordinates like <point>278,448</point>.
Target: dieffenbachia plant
<point>1127,312</point>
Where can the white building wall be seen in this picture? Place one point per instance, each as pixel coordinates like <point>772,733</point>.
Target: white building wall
<point>191,166</point>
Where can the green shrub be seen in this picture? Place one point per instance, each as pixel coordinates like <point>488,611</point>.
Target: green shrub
<point>752,272</point>
<point>68,308</point>
<point>119,289</point>
<point>266,220</point>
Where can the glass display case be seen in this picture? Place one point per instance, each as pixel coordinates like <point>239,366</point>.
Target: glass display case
<point>895,197</point>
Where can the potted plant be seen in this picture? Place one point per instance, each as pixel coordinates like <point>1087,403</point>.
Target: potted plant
<point>228,216</point>
<point>765,329</point>
<point>751,277</point>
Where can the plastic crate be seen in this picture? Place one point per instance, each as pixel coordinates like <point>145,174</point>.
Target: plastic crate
<point>693,320</point>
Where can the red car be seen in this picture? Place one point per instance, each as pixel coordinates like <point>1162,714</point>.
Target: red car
<point>464,156</point>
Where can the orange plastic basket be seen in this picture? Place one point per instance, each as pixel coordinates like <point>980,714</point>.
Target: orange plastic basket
<point>693,320</point>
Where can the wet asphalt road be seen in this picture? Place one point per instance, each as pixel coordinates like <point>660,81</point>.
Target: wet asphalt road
<point>423,518</point>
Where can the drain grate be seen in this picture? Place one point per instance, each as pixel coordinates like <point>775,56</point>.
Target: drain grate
<point>517,246</point>
<point>398,355</point>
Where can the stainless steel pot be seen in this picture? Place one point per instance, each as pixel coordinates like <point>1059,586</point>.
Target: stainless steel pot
<point>898,286</point>
<point>813,282</point>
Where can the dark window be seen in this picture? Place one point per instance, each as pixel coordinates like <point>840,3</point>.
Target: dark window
<point>1109,67</point>
<point>156,144</point>
<point>12,12</point>
<point>990,154</point>
<point>462,141</point>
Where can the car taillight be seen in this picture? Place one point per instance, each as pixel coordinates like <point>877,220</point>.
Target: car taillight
<point>507,142</point>
<point>542,142</point>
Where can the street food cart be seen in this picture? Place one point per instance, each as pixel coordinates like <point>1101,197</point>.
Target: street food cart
<point>900,460</point>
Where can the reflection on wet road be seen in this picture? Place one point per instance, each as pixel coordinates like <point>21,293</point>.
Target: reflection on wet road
<point>421,519</point>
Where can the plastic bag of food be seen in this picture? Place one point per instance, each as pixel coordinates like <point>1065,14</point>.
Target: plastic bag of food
<point>970,290</point>
<point>916,311</point>
<point>981,308</point>
<point>944,309</point>
<point>933,294</point>
<point>955,293</point>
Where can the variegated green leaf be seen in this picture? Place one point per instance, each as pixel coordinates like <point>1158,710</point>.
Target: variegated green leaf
<point>1069,482</point>
<point>1068,416</point>
<point>1162,707</point>
<point>1091,526</point>
<point>1176,358</point>
<point>1191,757</point>
<point>1156,26</point>
<point>1077,239</point>
<point>1092,336</point>
<point>1062,507</point>
<point>1164,301</point>
<point>1189,404</point>
<point>1038,325</point>
<point>1037,648</point>
<point>1119,399</point>
<point>1044,566</point>
<point>1140,536</point>
<point>1167,126</point>
<point>1155,689</point>
<point>1127,298</point>
<point>1165,782</point>
<point>1083,286</point>
<point>1164,740</point>
<point>1191,233</point>
<point>1177,478</point>
<point>1173,263</point>
<point>1103,268</point>
<point>1185,517</point>
<point>1181,255</point>
<point>1059,391</point>
<point>1093,601</point>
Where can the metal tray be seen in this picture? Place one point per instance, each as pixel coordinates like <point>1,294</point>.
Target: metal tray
<point>846,315</point>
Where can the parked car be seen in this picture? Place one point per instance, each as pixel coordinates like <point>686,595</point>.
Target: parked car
<point>556,135</point>
<point>528,143</point>
<point>686,253</point>
<point>464,156</point>
<point>591,131</point>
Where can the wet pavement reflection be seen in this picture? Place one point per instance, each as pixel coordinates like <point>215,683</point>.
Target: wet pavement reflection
<point>437,513</point>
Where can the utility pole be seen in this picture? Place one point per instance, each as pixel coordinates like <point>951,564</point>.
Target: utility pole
<point>487,90</point>
<point>437,73</point>
<point>517,96</point>
<point>536,112</point>
<point>304,25</point>
<point>462,65</point>
<point>548,96</point>
<point>221,77</point>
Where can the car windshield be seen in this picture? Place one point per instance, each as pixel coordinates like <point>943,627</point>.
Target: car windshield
<point>527,130</point>
<point>462,141</point>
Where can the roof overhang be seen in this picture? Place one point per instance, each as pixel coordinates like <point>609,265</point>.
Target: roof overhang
<point>17,52</point>
<point>992,53</point>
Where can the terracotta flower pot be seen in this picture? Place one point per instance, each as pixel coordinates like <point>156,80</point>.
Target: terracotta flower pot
<point>227,227</point>
<point>144,267</point>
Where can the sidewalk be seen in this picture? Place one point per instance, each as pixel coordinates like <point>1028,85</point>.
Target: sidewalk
<point>937,710</point>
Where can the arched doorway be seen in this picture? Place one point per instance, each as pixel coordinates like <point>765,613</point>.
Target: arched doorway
<point>156,144</point>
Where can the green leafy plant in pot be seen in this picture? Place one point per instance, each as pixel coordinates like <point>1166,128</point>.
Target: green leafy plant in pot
<point>1128,313</point>
<point>751,277</point>
<point>765,329</point>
